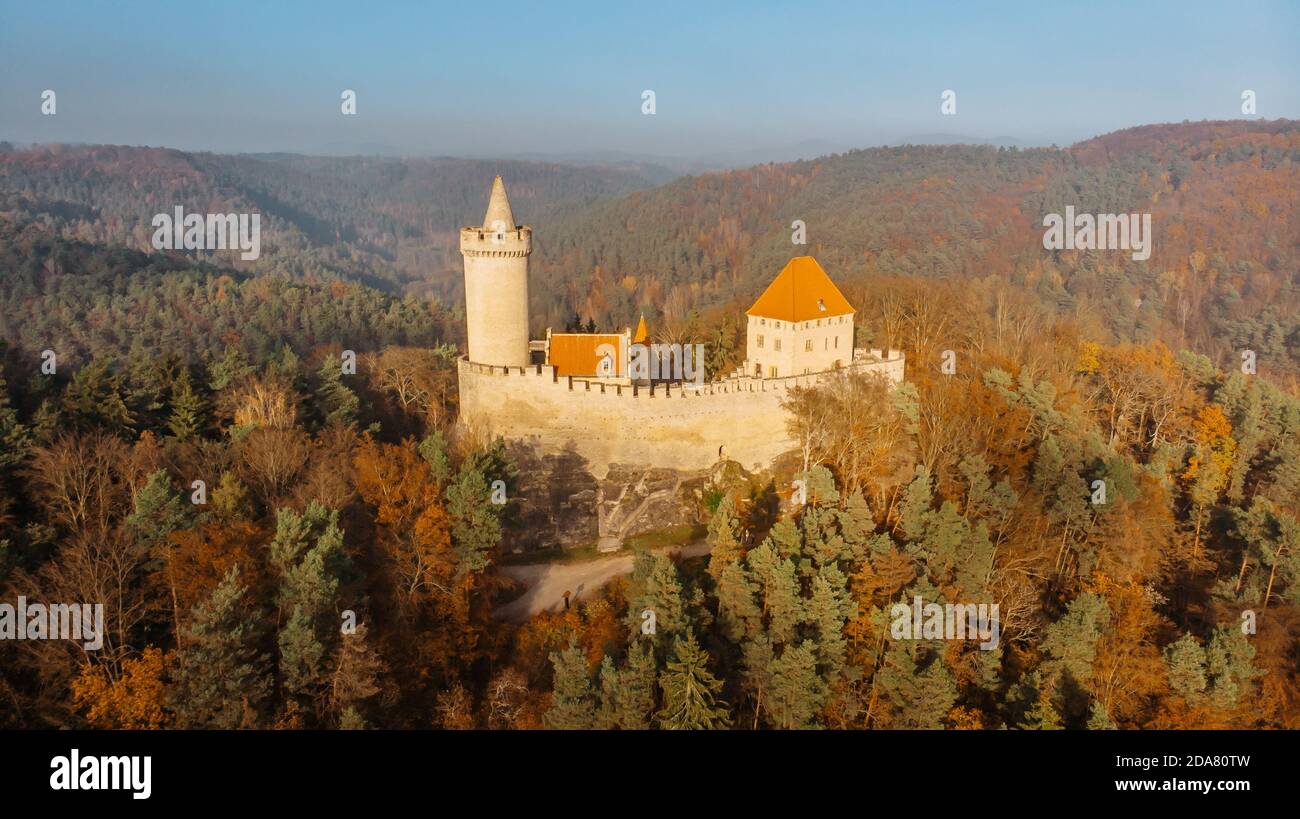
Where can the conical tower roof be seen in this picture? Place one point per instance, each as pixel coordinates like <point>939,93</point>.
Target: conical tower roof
<point>498,209</point>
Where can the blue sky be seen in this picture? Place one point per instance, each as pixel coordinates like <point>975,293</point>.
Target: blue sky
<point>494,78</point>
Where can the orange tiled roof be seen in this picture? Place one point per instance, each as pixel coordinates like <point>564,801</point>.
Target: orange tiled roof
<point>799,292</point>
<point>641,333</point>
<point>576,353</point>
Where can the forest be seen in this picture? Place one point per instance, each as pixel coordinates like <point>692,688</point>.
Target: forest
<point>340,571</point>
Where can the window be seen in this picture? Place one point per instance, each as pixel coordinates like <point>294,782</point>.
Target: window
<point>837,342</point>
<point>826,344</point>
<point>776,344</point>
<point>821,305</point>
<point>760,341</point>
<point>762,322</point>
<point>758,370</point>
<point>771,372</point>
<point>807,346</point>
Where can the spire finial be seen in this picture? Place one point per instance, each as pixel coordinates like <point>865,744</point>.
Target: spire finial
<point>498,209</point>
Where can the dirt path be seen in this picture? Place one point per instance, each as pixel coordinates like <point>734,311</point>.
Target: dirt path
<point>547,582</point>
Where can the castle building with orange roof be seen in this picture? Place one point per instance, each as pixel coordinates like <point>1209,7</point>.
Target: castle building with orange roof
<point>572,392</point>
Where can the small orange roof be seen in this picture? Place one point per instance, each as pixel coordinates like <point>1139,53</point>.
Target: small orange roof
<point>800,292</point>
<point>641,333</point>
<point>581,353</point>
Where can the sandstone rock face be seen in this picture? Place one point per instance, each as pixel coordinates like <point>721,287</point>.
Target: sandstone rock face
<point>556,502</point>
<point>560,503</point>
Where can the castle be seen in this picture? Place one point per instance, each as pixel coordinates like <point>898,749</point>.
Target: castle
<point>574,391</point>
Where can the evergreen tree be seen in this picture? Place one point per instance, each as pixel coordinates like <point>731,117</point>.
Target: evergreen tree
<point>723,538</point>
<point>797,692</point>
<point>635,700</point>
<point>159,511</point>
<point>310,574</point>
<point>227,370</point>
<point>1229,661</point>
<point>221,677</point>
<point>187,417</point>
<point>572,705</point>
<point>475,521</point>
<point>434,451</point>
<point>656,587</point>
<point>738,614</point>
<point>829,608</point>
<point>336,402</point>
<point>14,437</point>
<point>690,691</point>
<point>1185,660</point>
<point>920,695</point>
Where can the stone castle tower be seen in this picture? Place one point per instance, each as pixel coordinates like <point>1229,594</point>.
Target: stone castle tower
<point>496,284</point>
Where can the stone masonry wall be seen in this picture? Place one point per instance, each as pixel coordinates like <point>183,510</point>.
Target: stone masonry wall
<point>683,428</point>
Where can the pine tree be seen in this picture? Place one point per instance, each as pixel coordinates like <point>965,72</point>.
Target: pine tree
<point>14,437</point>
<point>159,511</point>
<point>738,614</point>
<point>220,674</point>
<point>572,705</point>
<point>475,521</point>
<point>920,697</point>
<point>607,712</point>
<point>310,574</point>
<point>634,702</point>
<point>656,587</point>
<point>1229,660</point>
<point>434,451</point>
<point>796,692</point>
<point>227,370</point>
<point>723,538</point>
<point>690,691</point>
<point>336,402</point>
<point>188,415</point>
<point>829,608</point>
<point>1098,719</point>
<point>1185,660</point>
<point>778,591</point>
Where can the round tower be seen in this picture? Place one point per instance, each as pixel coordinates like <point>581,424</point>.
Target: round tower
<point>496,284</point>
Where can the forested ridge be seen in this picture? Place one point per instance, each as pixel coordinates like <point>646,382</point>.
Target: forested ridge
<point>333,496</point>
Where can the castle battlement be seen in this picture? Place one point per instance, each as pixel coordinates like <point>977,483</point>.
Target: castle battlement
<point>889,364</point>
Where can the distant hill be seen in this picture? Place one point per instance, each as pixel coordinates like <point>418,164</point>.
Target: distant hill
<point>611,245</point>
<point>1223,275</point>
<point>385,221</point>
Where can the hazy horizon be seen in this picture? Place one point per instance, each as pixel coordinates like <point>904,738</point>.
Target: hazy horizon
<point>729,80</point>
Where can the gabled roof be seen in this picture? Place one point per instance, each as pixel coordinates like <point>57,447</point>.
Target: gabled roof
<point>581,353</point>
<point>801,292</point>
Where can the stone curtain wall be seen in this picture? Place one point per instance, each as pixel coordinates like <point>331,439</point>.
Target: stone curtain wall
<point>677,427</point>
